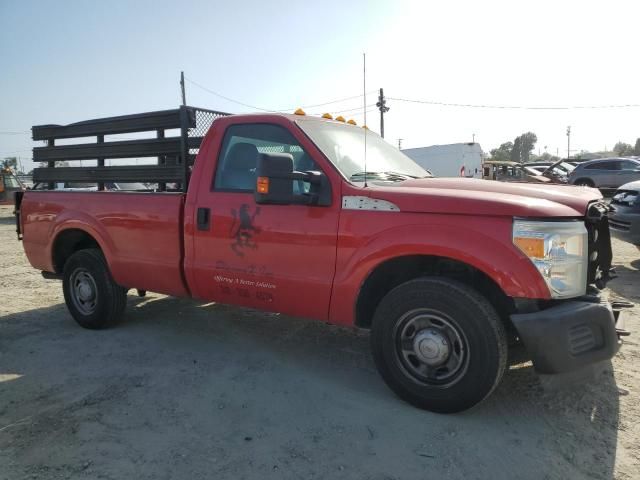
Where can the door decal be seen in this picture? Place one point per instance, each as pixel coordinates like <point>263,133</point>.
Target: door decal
<point>243,229</point>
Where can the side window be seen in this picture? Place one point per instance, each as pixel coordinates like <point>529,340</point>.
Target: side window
<point>614,165</point>
<point>241,146</point>
<point>596,166</point>
<point>628,165</point>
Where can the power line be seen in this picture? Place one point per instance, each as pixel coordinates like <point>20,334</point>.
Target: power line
<point>225,97</point>
<point>331,102</point>
<point>354,109</point>
<point>513,107</point>
<point>14,133</point>
<point>339,100</point>
<point>357,114</point>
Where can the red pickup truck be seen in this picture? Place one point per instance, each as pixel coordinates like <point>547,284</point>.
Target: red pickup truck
<point>287,213</point>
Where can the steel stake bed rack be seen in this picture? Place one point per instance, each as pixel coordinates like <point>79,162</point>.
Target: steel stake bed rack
<point>175,155</point>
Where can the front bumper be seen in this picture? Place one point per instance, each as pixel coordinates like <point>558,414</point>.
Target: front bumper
<point>624,224</point>
<point>569,336</point>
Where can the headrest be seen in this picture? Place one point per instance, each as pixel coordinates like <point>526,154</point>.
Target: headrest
<point>242,156</point>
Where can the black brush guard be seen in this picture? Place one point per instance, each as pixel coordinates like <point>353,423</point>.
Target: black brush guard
<point>599,249</point>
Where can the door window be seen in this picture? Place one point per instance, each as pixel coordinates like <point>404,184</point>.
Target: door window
<point>610,165</point>
<point>241,146</point>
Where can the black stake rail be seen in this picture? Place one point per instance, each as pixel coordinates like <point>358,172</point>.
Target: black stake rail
<point>139,122</point>
<point>151,147</point>
<point>126,173</point>
<point>171,152</point>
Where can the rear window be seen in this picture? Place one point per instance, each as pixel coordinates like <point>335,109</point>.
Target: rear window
<point>629,165</point>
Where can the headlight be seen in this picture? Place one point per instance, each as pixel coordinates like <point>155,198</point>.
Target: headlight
<point>559,252</point>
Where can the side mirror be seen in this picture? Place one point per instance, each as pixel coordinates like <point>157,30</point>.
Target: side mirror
<point>274,182</point>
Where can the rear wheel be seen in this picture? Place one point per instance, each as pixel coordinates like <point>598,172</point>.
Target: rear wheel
<point>584,182</point>
<point>94,300</point>
<point>438,344</point>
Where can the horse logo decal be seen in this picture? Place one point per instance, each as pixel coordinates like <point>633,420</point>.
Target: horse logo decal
<point>243,229</point>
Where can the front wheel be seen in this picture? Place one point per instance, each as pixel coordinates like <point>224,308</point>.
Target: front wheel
<point>438,344</point>
<point>94,300</point>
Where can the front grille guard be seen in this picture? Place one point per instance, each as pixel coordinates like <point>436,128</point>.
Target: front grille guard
<point>599,249</point>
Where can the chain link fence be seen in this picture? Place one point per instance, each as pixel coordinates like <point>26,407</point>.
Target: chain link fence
<point>204,119</point>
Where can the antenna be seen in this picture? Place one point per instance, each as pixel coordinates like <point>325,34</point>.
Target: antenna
<point>364,108</point>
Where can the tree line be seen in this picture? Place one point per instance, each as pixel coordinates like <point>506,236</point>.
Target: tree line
<point>522,147</point>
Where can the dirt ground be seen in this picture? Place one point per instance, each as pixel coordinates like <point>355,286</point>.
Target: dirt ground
<point>189,390</point>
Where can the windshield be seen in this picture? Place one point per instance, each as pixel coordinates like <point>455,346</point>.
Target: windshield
<point>344,146</point>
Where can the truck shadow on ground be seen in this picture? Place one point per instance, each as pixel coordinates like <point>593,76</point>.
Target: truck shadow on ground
<point>240,393</point>
<point>625,285</point>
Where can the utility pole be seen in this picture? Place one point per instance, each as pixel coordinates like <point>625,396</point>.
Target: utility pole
<point>473,138</point>
<point>184,96</point>
<point>400,143</point>
<point>383,109</point>
<point>569,141</point>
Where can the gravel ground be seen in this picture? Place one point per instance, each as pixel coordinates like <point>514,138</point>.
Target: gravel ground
<point>184,389</point>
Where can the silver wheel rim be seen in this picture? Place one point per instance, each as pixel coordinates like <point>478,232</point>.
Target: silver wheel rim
<point>83,291</point>
<point>431,348</point>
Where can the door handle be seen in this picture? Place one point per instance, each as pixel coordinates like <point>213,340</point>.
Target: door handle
<point>203,219</point>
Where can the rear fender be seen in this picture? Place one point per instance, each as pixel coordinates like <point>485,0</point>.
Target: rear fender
<point>76,220</point>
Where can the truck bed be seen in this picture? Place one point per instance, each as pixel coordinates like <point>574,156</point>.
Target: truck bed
<point>139,233</point>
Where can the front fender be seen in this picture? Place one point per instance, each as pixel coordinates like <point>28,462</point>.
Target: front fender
<point>484,244</point>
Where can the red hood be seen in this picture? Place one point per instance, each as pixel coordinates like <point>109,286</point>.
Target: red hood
<point>470,196</point>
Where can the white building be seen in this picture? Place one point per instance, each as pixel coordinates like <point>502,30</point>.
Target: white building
<point>454,160</point>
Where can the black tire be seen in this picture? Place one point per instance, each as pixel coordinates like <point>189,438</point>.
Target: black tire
<point>585,182</point>
<point>456,316</point>
<point>94,300</point>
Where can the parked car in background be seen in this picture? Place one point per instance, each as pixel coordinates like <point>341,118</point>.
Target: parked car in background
<point>624,217</point>
<point>9,184</point>
<point>511,172</point>
<point>552,171</point>
<point>606,172</point>
<point>559,165</point>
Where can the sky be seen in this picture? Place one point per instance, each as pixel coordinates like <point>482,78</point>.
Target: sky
<point>65,61</point>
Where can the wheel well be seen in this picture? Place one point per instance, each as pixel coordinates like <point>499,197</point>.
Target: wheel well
<point>586,180</point>
<point>67,243</point>
<point>394,272</point>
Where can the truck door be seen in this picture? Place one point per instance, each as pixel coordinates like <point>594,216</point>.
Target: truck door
<point>272,257</point>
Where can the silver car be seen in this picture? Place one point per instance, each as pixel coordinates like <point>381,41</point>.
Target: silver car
<point>624,218</point>
<point>606,172</point>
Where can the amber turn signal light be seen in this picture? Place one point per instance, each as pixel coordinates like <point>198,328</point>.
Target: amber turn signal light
<point>262,185</point>
<point>531,247</point>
